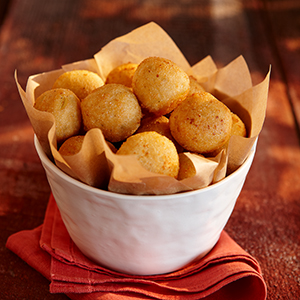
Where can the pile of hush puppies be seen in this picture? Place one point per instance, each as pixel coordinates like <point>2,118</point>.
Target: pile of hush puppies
<point>153,110</point>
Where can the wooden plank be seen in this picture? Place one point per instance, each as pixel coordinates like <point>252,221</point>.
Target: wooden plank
<point>266,219</point>
<point>4,5</point>
<point>30,43</point>
<point>284,22</point>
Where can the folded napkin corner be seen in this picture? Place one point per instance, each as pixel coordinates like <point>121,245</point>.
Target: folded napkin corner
<point>226,272</point>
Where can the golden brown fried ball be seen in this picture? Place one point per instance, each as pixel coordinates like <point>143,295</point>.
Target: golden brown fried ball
<point>65,107</point>
<point>160,85</point>
<point>195,86</point>
<point>238,126</point>
<point>122,74</point>
<point>160,125</point>
<point>72,145</point>
<point>155,152</point>
<point>187,168</point>
<point>80,82</point>
<point>114,109</point>
<point>201,123</point>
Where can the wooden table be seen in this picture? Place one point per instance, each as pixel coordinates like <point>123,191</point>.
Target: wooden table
<point>38,36</point>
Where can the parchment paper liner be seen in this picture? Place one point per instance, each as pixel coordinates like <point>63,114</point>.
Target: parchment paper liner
<point>98,166</point>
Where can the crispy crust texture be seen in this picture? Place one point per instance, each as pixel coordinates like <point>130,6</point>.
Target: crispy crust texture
<point>187,168</point>
<point>155,152</point>
<point>158,124</point>
<point>201,124</point>
<point>65,107</point>
<point>80,82</point>
<point>160,85</point>
<point>195,86</point>
<point>72,145</point>
<point>114,109</point>
<point>238,126</point>
<point>122,74</point>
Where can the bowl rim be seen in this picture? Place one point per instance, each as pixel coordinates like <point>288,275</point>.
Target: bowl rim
<point>45,160</point>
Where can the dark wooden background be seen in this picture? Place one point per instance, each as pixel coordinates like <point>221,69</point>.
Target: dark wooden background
<point>38,36</point>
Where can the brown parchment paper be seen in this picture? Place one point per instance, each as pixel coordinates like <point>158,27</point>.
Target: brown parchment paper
<point>98,166</point>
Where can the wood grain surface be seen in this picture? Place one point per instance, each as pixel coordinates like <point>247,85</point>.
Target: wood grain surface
<point>38,36</point>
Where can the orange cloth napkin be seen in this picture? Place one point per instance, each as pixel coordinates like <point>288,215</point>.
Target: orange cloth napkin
<point>227,272</point>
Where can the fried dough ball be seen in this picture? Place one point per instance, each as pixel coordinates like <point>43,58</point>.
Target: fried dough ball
<point>187,168</point>
<point>114,109</point>
<point>201,123</point>
<point>72,145</point>
<point>80,82</point>
<point>160,125</point>
<point>238,126</point>
<point>160,85</point>
<point>65,107</point>
<point>195,86</point>
<point>155,152</point>
<point>122,74</point>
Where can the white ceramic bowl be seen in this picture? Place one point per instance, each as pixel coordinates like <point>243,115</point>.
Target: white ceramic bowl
<point>144,235</point>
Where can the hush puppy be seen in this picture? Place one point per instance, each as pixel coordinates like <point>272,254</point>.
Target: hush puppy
<point>65,107</point>
<point>80,82</point>
<point>160,125</point>
<point>238,126</point>
<point>155,152</point>
<point>160,85</point>
<point>72,145</point>
<point>201,123</point>
<point>122,74</point>
<point>114,109</point>
<point>195,86</point>
<point>187,168</point>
